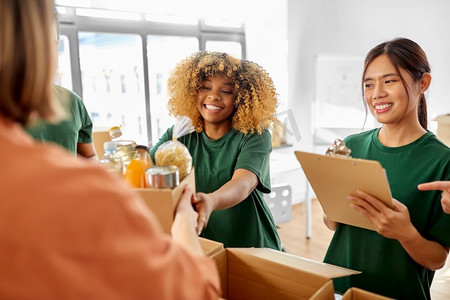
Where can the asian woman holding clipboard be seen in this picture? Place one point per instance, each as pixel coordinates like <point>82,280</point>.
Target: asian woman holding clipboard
<point>412,239</point>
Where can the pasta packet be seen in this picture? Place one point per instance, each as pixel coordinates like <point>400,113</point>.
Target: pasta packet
<point>174,153</point>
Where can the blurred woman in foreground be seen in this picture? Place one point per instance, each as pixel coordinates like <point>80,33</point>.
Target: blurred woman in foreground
<point>58,240</point>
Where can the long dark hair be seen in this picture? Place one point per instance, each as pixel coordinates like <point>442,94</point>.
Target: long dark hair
<point>409,56</point>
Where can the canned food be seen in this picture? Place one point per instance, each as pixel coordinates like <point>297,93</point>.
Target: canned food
<point>162,177</point>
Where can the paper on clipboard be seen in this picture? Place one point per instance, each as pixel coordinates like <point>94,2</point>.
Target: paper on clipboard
<point>334,178</point>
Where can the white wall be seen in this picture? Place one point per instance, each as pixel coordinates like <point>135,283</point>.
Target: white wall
<point>353,27</point>
<point>266,39</point>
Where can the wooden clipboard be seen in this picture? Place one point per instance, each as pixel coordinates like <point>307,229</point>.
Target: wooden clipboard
<point>333,178</point>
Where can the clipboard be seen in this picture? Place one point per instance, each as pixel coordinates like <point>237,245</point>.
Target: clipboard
<point>333,178</point>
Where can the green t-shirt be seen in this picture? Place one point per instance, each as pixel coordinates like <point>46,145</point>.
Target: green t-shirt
<point>386,267</point>
<point>67,133</point>
<point>249,223</point>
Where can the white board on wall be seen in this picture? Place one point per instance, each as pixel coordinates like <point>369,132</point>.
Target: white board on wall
<point>338,96</point>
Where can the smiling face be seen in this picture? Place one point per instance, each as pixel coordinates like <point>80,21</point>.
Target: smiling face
<point>388,99</point>
<point>215,102</point>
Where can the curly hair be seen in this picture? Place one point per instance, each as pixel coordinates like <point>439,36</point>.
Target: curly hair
<point>255,97</point>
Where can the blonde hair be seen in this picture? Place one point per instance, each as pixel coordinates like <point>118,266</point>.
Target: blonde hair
<point>28,61</point>
<point>255,96</point>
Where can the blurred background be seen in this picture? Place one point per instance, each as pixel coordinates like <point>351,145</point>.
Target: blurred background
<point>117,56</point>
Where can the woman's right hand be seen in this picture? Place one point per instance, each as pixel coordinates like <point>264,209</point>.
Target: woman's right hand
<point>185,206</point>
<point>185,223</point>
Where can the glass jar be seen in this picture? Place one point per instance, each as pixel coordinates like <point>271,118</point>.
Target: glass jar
<point>110,161</point>
<point>135,171</point>
<point>125,148</point>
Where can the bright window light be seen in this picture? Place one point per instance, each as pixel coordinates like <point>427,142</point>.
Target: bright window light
<point>232,48</point>
<point>108,14</point>
<point>223,23</point>
<point>61,10</point>
<point>171,19</point>
<point>75,3</point>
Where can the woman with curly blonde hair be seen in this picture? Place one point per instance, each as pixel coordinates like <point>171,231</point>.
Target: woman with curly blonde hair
<point>232,102</point>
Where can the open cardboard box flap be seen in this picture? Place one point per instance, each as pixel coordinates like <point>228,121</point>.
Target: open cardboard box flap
<point>209,247</point>
<point>359,294</point>
<point>259,273</point>
<point>162,202</point>
<point>298,263</point>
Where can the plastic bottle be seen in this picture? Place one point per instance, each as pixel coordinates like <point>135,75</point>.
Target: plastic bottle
<point>135,171</point>
<point>125,148</point>
<point>110,161</point>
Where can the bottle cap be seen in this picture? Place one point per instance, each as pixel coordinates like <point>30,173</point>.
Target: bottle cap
<point>142,147</point>
<point>115,132</point>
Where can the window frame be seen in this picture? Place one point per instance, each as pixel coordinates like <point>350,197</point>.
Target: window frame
<point>70,24</point>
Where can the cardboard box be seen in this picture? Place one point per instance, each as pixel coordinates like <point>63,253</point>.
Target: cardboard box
<point>164,201</point>
<point>258,273</point>
<point>210,247</point>
<point>359,294</point>
<point>99,137</point>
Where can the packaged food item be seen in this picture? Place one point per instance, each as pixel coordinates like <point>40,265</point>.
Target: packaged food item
<point>110,161</point>
<point>174,153</point>
<point>125,148</point>
<point>162,177</point>
<point>135,171</point>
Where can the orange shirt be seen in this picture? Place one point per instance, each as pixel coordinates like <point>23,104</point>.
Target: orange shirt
<point>68,229</point>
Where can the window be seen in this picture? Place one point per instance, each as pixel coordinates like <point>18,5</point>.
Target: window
<point>112,79</point>
<point>119,65</point>
<point>160,62</point>
<point>232,48</point>
<point>63,73</point>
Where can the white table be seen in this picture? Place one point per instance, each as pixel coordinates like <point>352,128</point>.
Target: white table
<point>285,169</point>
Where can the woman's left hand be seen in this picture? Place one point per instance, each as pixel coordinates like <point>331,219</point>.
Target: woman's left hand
<point>204,205</point>
<point>393,223</point>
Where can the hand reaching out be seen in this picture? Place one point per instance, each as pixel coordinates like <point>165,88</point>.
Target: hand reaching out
<point>204,207</point>
<point>185,223</point>
<point>185,206</point>
<point>444,186</point>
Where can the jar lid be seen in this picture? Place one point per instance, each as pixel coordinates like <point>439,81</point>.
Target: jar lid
<point>115,132</point>
<point>109,146</point>
<point>142,147</point>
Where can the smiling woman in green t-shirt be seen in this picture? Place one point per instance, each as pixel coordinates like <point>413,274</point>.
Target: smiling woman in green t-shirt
<point>231,103</point>
<point>412,239</point>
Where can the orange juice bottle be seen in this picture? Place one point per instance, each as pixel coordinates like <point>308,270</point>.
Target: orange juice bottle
<point>135,171</point>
